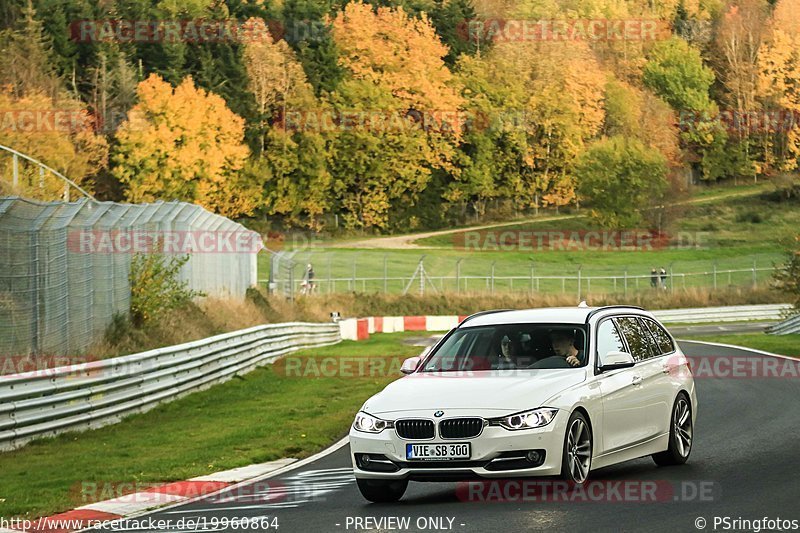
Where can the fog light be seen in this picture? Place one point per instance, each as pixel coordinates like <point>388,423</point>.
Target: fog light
<point>533,456</point>
<point>365,460</point>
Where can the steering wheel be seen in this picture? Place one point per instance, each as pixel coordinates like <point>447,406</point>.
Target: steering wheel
<point>554,361</point>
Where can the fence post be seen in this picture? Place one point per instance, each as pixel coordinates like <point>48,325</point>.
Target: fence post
<point>755,280</point>
<point>579,282</point>
<point>493,262</point>
<point>626,282</point>
<point>532,272</point>
<point>353,286</point>
<point>715,275</point>
<point>458,274</point>
<point>385,274</point>
<point>671,279</point>
<point>291,281</point>
<point>330,287</point>
<point>15,171</point>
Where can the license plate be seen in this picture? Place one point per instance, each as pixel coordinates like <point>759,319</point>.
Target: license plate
<point>437,452</point>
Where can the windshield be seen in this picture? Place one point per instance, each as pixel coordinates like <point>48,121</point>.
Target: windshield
<point>510,346</point>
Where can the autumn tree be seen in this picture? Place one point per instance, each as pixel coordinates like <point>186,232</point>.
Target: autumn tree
<point>183,143</point>
<point>779,82</point>
<point>292,162</point>
<point>275,78</point>
<point>399,54</point>
<point>60,133</point>
<point>40,118</point>
<point>621,176</point>
<point>396,78</point>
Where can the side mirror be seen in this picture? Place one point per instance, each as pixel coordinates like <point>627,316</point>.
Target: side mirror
<point>615,360</point>
<point>410,365</point>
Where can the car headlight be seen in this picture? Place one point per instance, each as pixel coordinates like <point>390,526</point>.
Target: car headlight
<point>371,424</point>
<point>534,418</point>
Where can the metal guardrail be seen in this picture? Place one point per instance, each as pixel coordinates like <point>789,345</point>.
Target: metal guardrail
<point>89,395</point>
<point>734,313</point>
<point>790,325</point>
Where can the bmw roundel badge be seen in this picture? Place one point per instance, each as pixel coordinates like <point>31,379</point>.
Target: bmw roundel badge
<point>437,414</point>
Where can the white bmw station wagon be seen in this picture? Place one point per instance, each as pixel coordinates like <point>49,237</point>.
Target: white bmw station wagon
<point>539,392</point>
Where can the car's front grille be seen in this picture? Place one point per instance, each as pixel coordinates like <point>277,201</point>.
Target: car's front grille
<point>460,428</point>
<point>414,429</point>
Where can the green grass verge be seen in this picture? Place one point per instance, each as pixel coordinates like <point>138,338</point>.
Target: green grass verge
<point>733,230</point>
<point>272,412</point>
<point>780,344</point>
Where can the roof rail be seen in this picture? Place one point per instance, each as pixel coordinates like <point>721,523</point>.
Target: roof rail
<point>606,307</point>
<point>481,313</point>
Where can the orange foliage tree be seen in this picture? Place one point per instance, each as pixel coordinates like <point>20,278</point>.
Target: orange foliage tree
<point>184,143</point>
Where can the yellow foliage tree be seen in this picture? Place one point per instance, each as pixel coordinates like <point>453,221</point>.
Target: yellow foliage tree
<point>779,72</point>
<point>184,143</point>
<point>400,54</point>
<point>59,133</point>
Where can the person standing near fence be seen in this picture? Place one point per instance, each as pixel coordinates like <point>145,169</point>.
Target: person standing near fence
<point>663,278</point>
<point>307,287</point>
<point>653,278</point>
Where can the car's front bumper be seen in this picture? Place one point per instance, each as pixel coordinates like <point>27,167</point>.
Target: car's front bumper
<point>487,450</point>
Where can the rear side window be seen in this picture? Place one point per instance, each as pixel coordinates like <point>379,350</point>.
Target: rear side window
<point>608,340</point>
<point>663,340</point>
<point>641,343</point>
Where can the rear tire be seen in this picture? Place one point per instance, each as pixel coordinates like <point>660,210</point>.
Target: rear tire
<point>382,490</point>
<point>576,459</point>
<point>681,434</point>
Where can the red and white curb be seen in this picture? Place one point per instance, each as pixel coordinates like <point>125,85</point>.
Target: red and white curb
<point>357,329</point>
<point>151,498</point>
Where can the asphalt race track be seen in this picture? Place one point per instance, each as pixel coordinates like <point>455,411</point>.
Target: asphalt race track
<point>744,464</point>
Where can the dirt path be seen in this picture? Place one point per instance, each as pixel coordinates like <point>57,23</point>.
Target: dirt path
<point>404,242</point>
<point>407,242</point>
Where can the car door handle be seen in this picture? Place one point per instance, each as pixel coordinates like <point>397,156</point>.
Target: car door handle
<point>637,380</point>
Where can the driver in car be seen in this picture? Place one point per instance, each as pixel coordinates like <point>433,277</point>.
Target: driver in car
<point>563,343</point>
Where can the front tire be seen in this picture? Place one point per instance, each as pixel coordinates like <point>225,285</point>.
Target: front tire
<point>681,434</point>
<point>382,490</point>
<point>576,460</point>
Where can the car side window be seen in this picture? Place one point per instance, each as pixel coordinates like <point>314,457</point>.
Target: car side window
<point>608,340</point>
<point>663,340</point>
<point>639,340</point>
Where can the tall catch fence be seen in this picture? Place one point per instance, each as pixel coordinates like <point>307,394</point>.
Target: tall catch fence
<point>64,266</point>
